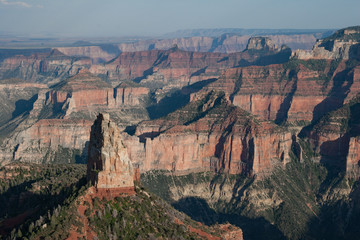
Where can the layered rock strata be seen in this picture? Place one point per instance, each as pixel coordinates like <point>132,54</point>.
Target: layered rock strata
<point>211,134</point>
<point>48,67</point>
<point>85,95</point>
<point>17,97</point>
<point>297,91</point>
<point>176,68</point>
<point>344,44</point>
<point>109,166</point>
<point>335,138</point>
<point>48,140</point>
<point>226,43</point>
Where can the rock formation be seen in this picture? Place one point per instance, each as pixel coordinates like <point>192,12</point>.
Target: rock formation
<point>231,133</point>
<point>335,138</point>
<point>109,166</point>
<point>303,91</point>
<point>344,44</point>
<point>175,68</point>
<point>86,94</point>
<point>50,67</point>
<point>261,43</point>
<point>17,97</point>
<point>226,43</point>
<point>48,140</point>
<point>353,157</point>
<point>211,134</point>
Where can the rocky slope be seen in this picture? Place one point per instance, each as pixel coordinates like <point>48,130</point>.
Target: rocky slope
<point>296,91</point>
<point>70,209</point>
<point>57,121</point>
<point>344,44</point>
<point>335,138</point>
<point>48,140</point>
<point>17,97</point>
<point>211,134</point>
<point>276,92</point>
<point>224,43</point>
<point>176,68</point>
<point>298,202</point>
<point>45,67</point>
<point>157,68</point>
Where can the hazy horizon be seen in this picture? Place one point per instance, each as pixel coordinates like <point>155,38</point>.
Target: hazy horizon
<point>90,18</point>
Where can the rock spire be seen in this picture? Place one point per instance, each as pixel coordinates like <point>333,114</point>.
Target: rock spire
<point>109,166</point>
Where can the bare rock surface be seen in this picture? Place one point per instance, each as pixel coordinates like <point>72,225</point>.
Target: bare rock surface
<point>109,165</point>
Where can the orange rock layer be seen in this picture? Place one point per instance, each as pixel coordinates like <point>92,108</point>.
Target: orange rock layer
<point>225,139</point>
<point>278,92</point>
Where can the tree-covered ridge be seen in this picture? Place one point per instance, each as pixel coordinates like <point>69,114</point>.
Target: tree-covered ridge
<point>38,200</point>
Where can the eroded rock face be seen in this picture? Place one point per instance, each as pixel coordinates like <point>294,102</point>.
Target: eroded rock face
<point>46,138</point>
<point>280,92</point>
<point>261,43</point>
<point>42,67</point>
<point>84,95</point>
<point>17,98</point>
<point>344,44</point>
<point>177,68</point>
<point>109,165</point>
<point>226,43</point>
<point>335,138</point>
<point>353,157</point>
<point>211,134</point>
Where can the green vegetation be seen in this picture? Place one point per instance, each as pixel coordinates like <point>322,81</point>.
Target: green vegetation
<point>340,35</point>
<point>38,201</point>
<point>285,205</point>
<point>43,202</point>
<point>143,216</point>
<point>65,155</point>
<point>312,64</point>
<point>343,120</point>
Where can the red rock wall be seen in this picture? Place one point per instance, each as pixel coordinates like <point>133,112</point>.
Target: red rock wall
<point>130,96</point>
<point>185,150</point>
<point>39,67</point>
<point>83,99</point>
<point>272,91</point>
<point>48,134</point>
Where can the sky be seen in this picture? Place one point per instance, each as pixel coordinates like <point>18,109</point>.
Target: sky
<point>116,18</point>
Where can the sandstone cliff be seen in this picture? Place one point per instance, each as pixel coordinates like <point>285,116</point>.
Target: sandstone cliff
<point>225,43</point>
<point>48,140</point>
<point>335,138</point>
<point>175,68</point>
<point>298,91</point>
<point>84,95</point>
<point>344,44</point>
<point>17,97</point>
<point>42,67</point>
<point>32,131</point>
<point>211,134</point>
<point>108,162</point>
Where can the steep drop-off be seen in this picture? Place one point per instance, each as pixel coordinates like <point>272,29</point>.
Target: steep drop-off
<point>298,91</point>
<point>176,68</point>
<point>224,43</point>
<point>45,67</point>
<point>211,134</point>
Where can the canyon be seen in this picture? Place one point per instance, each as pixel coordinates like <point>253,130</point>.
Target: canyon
<point>225,43</point>
<point>276,95</point>
<point>260,136</point>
